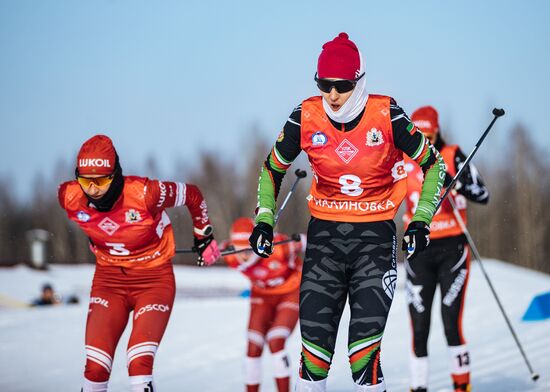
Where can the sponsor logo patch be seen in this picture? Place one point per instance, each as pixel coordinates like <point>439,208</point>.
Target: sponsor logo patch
<point>132,216</point>
<point>100,301</point>
<point>374,138</point>
<point>82,216</point>
<point>318,139</point>
<point>388,282</point>
<point>455,288</point>
<point>108,226</point>
<point>90,162</point>
<point>413,296</point>
<point>281,136</point>
<point>346,151</point>
<point>152,307</point>
<point>348,205</point>
<point>162,196</point>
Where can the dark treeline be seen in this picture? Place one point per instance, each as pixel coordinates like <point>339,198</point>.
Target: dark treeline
<point>514,226</point>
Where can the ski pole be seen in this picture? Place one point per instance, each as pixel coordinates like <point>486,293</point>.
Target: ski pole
<point>497,113</point>
<point>230,250</point>
<point>299,175</point>
<point>188,250</point>
<point>534,376</point>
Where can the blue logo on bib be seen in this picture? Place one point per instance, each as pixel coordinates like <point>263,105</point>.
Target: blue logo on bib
<point>82,216</point>
<point>318,139</point>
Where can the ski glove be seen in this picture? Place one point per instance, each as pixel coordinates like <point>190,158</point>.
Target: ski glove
<point>261,239</point>
<point>208,251</point>
<point>416,239</point>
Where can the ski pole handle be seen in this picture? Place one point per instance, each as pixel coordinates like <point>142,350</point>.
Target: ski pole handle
<point>184,251</point>
<point>497,113</point>
<point>231,249</point>
<point>299,175</point>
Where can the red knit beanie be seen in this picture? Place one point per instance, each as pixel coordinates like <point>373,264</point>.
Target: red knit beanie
<point>96,156</point>
<point>241,230</point>
<point>427,119</point>
<point>339,59</point>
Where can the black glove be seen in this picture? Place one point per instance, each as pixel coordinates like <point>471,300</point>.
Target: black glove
<point>202,243</point>
<point>296,237</point>
<point>261,239</point>
<point>200,246</point>
<point>416,239</point>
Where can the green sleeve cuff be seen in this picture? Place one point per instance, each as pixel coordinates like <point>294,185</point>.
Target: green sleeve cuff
<point>266,198</point>
<point>265,217</point>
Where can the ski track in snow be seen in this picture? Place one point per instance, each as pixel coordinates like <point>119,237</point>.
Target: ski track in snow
<point>42,349</point>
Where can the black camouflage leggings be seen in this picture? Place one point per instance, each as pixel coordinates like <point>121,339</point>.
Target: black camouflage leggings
<point>355,259</point>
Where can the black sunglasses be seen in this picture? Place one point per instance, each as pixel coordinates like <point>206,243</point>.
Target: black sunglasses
<point>342,86</point>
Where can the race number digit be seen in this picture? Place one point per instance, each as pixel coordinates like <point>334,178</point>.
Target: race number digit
<point>351,185</point>
<point>117,249</point>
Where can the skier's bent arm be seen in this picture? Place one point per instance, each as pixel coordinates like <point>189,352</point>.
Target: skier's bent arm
<point>279,159</point>
<point>433,166</point>
<point>470,184</point>
<point>160,195</point>
<point>408,138</point>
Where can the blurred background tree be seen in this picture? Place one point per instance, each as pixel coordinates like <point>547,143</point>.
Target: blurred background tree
<point>514,226</point>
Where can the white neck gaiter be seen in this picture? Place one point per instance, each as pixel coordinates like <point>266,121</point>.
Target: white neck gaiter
<point>355,103</point>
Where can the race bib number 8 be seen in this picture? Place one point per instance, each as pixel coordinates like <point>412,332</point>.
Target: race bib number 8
<point>398,171</point>
<point>351,185</point>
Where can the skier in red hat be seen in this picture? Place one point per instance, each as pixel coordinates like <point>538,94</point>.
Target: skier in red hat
<point>273,301</point>
<point>446,262</point>
<point>131,236</point>
<point>355,143</point>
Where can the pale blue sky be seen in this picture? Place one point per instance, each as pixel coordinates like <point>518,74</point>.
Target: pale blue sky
<point>170,78</point>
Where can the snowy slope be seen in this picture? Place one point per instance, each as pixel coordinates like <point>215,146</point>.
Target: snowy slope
<point>42,349</point>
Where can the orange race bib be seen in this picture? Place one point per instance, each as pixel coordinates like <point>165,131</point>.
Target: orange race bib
<point>128,235</point>
<point>359,175</point>
<point>444,223</point>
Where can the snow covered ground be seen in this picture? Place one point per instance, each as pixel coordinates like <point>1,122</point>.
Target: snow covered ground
<point>41,349</point>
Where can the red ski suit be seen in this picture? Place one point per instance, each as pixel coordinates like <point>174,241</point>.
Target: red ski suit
<point>274,296</point>
<point>133,243</point>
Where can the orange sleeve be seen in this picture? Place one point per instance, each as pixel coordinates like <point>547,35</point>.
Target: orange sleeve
<point>160,195</point>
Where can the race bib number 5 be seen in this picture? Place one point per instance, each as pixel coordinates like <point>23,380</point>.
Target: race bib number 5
<point>117,249</point>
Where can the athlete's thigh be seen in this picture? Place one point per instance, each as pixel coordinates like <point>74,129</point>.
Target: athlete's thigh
<point>372,278</point>
<point>286,311</point>
<point>453,279</point>
<point>107,318</point>
<point>262,313</point>
<point>324,286</point>
<point>152,309</point>
<point>421,284</point>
